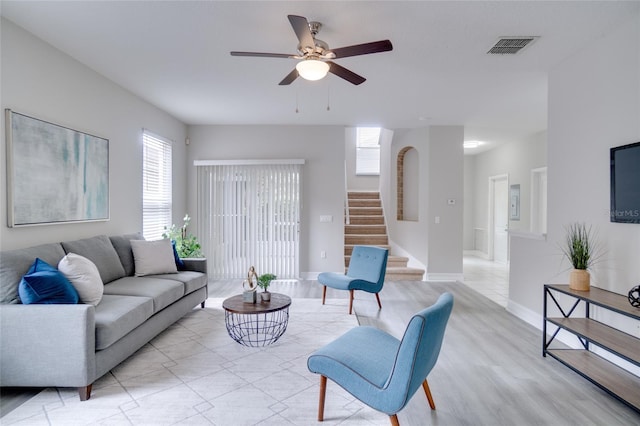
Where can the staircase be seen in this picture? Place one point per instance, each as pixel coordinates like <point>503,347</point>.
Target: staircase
<point>367,227</point>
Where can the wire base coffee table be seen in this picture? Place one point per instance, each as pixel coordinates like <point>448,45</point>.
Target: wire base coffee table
<point>256,324</point>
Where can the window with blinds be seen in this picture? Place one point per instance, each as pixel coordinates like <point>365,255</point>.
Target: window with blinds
<point>156,185</point>
<point>368,151</point>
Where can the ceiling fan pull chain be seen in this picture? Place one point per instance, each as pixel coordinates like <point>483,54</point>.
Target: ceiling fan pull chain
<point>328,96</point>
<point>297,111</point>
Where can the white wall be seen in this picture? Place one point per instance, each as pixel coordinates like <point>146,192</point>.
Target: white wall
<point>323,178</point>
<point>409,237</point>
<point>356,182</point>
<point>446,182</point>
<point>42,82</point>
<point>594,104</point>
<point>436,247</point>
<point>515,159</point>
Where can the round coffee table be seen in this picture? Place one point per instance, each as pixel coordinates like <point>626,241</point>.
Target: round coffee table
<point>256,324</point>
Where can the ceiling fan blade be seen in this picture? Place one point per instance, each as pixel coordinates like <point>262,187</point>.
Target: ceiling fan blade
<point>262,55</point>
<point>289,78</point>
<point>363,49</point>
<point>301,28</point>
<point>342,72</point>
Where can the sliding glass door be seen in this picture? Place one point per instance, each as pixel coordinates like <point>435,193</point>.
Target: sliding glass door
<point>249,215</point>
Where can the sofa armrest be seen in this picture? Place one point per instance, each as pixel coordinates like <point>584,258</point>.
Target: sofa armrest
<point>47,345</point>
<point>197,264</point>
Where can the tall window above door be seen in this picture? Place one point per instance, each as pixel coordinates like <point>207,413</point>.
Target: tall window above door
<point>368,151</point>
<point>156,185</point>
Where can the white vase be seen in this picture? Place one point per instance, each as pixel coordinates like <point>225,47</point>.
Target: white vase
<point>266,296</point>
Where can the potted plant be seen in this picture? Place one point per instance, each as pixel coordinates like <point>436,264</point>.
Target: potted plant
<point>579,250</point>
<point>187,245</point>
<point>264,281</point>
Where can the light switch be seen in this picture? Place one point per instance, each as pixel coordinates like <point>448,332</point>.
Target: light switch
<point>437,219</point>
<point>326,218</point>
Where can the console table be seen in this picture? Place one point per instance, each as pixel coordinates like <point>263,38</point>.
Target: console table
<point>613,379</point>
<point>256,324</point>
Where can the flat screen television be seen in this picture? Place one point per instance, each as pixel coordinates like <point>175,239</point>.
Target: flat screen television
<point>625,183</point>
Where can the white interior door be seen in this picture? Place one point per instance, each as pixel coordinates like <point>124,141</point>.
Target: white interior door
<point>500,219</point>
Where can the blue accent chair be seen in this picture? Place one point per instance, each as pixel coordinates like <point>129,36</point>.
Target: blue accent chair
<point>366,272</point>
<point>380,370</point>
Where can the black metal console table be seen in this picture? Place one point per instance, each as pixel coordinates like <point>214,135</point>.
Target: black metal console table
<point>613,379</point>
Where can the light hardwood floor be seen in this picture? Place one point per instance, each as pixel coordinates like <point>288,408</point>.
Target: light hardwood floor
<point>490,371</point>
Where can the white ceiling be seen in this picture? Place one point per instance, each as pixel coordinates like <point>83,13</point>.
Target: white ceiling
<point>175,54</point>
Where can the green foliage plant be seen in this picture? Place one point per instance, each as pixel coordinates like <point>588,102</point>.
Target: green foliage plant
<point>264,281</point>
<point>579,246</point>
<point>187,244</point>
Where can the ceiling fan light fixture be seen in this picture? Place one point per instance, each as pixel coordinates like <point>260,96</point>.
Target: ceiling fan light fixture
<point>312,69</point>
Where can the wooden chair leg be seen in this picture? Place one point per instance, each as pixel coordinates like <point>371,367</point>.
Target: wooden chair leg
<point>378,298</point>
<point>323,393</point>
<point>394,420</point>
<point>324,293</point>
<point>350,301</point>
<point>427,391</point>
<point>85,392</point>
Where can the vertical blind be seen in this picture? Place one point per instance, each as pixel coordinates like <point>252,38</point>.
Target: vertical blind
<point>156,189</point>
<point>249,215</point>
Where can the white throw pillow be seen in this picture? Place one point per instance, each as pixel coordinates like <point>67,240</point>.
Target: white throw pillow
<point>153,257</point>
<point>84,276</point>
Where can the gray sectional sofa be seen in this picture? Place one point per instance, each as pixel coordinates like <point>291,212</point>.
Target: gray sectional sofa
<point>73,345</point>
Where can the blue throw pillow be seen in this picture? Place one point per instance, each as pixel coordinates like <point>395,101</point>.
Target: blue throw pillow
<point>179,262</point>
<point>44,284</point>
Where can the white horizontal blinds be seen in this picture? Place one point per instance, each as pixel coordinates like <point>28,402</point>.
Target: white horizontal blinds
<point>368,151</point>
<point>156,181</point>
<point>250,217</point>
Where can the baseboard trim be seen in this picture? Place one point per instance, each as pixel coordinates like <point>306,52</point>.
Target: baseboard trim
<point>525,314</point>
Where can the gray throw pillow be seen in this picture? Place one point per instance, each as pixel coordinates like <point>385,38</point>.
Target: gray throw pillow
<point>153,257</point>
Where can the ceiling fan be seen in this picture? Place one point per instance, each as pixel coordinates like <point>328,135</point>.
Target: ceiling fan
<point>315,55</point>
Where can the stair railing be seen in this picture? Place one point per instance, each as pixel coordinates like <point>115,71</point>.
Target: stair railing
<point>346,196</point>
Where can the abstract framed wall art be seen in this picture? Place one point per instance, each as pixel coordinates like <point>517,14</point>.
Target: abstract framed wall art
<point>54,174</point>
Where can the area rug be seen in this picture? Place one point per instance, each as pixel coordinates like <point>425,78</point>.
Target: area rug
<point>195,374</point>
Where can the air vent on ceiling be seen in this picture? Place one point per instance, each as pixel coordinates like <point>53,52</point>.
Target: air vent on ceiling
<point>511,45</point>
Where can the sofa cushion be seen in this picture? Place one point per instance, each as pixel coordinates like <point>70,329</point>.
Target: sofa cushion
<point>118,315</point>
<point>15,263</point>
<point>44,284</point>
<point>122,244</point>
<point>191,280</point>
<point>153,257</point>
<point>84,276</point>
<point>100,251</point>
<point>163,292</point>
